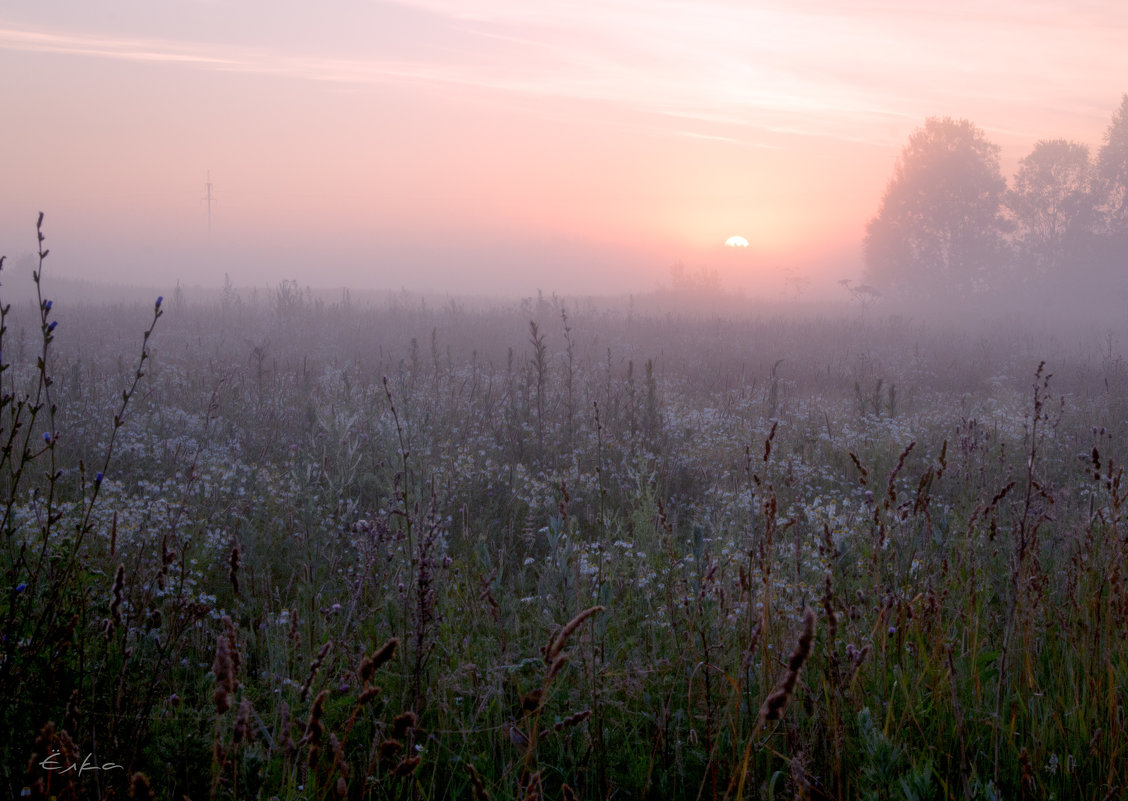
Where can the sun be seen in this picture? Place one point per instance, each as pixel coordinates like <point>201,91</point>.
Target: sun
<point>736,242</point>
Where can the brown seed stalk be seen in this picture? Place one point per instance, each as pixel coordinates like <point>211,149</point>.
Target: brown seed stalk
<point>777,700</point>
<point>557,643</point>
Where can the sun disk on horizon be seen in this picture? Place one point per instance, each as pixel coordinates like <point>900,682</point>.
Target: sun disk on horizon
<point>736,242</point>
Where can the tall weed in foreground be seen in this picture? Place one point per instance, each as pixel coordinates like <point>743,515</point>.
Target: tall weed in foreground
<point>70,631</point>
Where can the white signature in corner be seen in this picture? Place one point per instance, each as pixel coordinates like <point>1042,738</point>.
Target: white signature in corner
<point>52,763</point>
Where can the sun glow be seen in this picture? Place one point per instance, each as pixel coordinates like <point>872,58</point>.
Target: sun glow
<point>736,242</point>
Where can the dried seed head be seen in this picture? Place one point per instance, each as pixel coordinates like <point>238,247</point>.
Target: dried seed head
<point>366,669</point>
<point>139,788</point>
<point>831,615</point>
<point>476,784</point>
<point>533,701</point>
<point>289,747</point>
<point>314,728</point>
<point>572,720</point>
<point>243,731</point>
<point>404,723</point>
<point>534,791</point>
<point>117,595</point>
<point>313,668</point>
<point>516,736</point>
<point>556,667</point>
<point>558,643</point>
<point>384,653</point>
<point>803,647</point>
<point>293,636</point>
<point>70,719</point>
<point>407,766</point>
<point>224,672</point>
<point>233,568</point>
<point>389,748</point>
<point>777,700</point>
<point>799,777</point>
<point>233,640</point>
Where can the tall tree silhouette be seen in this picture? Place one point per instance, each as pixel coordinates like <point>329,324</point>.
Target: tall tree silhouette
<point>1051,203</point>
<point>940,224</point>
<point>1112,174</point>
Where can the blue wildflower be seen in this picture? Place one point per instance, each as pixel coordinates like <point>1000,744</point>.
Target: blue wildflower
<point>21,586</point>
<point>52,326</point>
<point>47,437</point>
<point>98,478</point>
<point>160,300</point>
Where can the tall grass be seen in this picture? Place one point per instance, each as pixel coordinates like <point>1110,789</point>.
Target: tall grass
<point>285,554</point>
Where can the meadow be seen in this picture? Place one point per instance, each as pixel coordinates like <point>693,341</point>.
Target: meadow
<point>285,547</point>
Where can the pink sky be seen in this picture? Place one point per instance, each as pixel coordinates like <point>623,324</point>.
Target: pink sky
<point>509,145</point>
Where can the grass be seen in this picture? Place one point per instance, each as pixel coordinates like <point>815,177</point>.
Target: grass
<point>307,550</point>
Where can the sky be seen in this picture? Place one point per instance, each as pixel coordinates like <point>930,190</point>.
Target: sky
<point>509,146</point>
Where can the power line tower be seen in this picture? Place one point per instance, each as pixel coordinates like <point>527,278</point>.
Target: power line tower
<point>208,197</point>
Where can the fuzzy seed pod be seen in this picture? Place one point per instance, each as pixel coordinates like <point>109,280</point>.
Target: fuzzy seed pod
<point>407,766</point>
<point>313,668</point>
<point>404,723</point>
<point>243,731</point>
<point>558,643</point>
<point>224,672</point>
<point>366,669</point>
<point>117,594</point>
<point>532,702</point>
<point>314,728</point>
<point>384,653</point>
<point>477,786</point>
<point>777,700</point>
<point>572,720</point>
<point>389,748</point>
<point>233,568</point>
<point>557,665</point>
<point>139,788</point>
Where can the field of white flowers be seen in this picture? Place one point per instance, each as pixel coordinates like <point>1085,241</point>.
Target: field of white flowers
<point>306,549</point>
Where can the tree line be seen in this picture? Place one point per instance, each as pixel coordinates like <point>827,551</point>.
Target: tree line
<point>950,223</point>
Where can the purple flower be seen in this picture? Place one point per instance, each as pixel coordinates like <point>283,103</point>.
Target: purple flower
<point>160,300</point>
<point>98,478</point>
<point>51,327</point>
<point>46,305</point>
<point>47,437</point>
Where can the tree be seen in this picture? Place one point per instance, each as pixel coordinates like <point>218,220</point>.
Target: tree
<point>1112,173</point>
<point>1051,204</point>
<point>940,224</point>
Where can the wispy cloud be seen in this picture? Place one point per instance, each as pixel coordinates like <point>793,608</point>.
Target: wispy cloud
<point>852,71</point>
